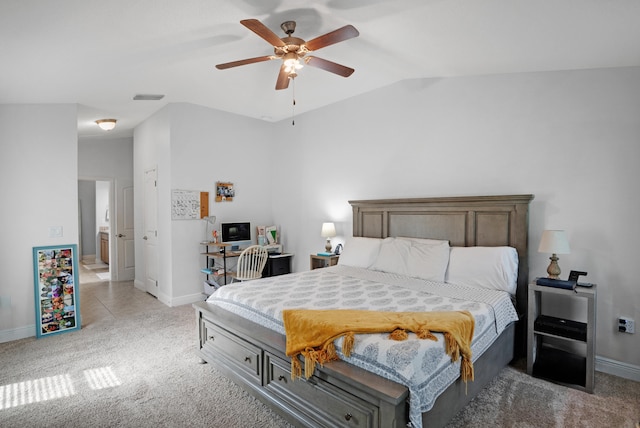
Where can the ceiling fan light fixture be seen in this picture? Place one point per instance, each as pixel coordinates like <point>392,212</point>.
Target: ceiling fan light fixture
<point>106,124</point>
<point>292,62</point>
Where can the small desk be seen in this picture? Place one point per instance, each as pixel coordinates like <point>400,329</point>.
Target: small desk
<point>223,253</point>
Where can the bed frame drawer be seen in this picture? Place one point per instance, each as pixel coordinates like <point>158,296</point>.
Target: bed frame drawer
<point>219,343</point>
<point>317,402</point>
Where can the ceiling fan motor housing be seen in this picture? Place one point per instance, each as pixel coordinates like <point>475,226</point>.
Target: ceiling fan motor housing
<point>292,44</point>
<point>288,27</point>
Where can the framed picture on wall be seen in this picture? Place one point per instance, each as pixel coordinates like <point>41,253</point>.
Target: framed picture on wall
<point>224,191</point>
<point>56,289</point>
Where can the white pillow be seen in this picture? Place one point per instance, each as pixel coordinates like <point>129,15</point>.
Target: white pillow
<point>494,268</point>
<point>393,256</point>
<point>428,261</point>
<point>359,252</point>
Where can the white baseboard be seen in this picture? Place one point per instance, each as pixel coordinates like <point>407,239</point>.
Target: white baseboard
<point>17,333</point>
<point>618,368</point>
<point>164,299</point>
<point>139,285</point>
<point>188,299</point>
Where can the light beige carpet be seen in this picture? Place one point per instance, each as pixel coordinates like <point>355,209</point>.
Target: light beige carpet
<point>137,369</point>
<point>515,399</point>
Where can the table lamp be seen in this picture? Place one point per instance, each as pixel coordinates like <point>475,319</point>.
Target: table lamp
<point>554,242</point>
<point>328,231</point>
<point>210,219</point>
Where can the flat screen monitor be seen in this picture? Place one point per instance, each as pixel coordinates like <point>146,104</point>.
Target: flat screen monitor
<point>236,232</point>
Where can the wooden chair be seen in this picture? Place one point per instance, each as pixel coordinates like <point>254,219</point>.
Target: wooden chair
<point>251,263</point>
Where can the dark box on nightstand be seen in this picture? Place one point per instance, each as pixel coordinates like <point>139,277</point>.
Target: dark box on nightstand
<point>561,327</point>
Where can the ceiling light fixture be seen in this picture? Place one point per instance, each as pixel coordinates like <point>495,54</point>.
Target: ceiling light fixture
<point>291,63</point>
<point>106,124</point>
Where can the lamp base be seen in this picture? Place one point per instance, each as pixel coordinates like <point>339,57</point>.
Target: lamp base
<point>553,270</point>
<point>327,246</point>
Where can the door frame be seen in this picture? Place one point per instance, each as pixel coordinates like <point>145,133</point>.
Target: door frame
<point>151,259</point>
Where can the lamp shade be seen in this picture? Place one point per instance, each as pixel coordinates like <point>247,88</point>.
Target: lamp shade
<point>555,242</point>
<point>328,230</point>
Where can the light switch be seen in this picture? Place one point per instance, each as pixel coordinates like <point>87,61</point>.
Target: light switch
<point>55,232</point>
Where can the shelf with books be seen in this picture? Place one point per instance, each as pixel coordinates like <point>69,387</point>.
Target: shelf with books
<point>216,253</point>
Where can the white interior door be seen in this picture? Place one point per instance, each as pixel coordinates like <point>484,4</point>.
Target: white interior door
<point>124,233</point>
<point>151,231</point>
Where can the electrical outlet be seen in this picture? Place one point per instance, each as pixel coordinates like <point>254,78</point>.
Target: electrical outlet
<point>626,325</point>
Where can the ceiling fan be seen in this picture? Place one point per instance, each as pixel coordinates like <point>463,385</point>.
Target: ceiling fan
<point>293,50</point>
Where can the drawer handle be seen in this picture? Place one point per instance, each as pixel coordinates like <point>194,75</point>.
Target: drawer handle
<point>348,416</point>
<point>247,359</point>
<point>212,338</point>
<point>281,378</point>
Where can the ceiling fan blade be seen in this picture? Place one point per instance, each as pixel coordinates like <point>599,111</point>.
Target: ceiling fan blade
<point>283,79</point>
<point>261,30</point>
<point>244,62</point>
<point>330,66</point>
<point>345,33</point>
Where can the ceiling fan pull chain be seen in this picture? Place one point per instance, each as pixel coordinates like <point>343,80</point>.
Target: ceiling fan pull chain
<point>293,106</point>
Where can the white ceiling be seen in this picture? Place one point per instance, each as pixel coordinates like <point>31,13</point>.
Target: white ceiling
<point>100,54</point>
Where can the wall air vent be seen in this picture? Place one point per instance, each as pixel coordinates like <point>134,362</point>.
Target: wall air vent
<point>148,97</point>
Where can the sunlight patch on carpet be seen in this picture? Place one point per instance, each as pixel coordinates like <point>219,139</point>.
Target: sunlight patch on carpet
<point>52,387</point>
<point>35,391</point>
<point>101,378</point>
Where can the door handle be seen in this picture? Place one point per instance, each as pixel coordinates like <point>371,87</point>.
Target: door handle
<point>145,237</point>
<point>120,235</point>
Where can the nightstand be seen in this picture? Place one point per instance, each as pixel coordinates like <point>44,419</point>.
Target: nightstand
<point>575,368</point>
<point>277,264</point>
<point>317,262</point>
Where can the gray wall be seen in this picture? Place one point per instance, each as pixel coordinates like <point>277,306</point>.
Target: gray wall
<point>39,177</point>
<point>569,137</point>
<point>572,138</point>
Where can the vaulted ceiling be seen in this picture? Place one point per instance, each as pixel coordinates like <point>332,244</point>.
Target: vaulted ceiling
<point>100,54</point>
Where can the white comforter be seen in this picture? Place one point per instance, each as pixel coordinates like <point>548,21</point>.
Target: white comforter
<point>421,365</point>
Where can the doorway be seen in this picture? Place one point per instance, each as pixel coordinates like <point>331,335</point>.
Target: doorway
<point>94,218</point>
<point>106,227</point>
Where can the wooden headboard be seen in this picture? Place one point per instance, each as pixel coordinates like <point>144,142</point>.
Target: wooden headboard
<point>468,221</point>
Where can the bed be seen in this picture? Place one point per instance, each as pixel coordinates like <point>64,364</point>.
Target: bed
<point>241,333</point>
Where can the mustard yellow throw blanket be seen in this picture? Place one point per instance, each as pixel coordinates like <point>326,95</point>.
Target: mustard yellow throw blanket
<point>312,332</point>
